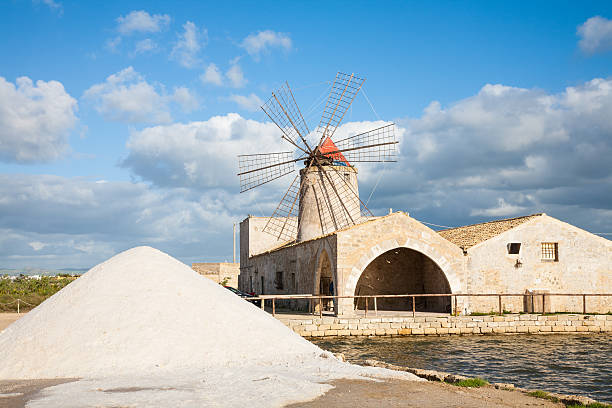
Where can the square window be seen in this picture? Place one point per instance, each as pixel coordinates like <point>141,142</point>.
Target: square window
<point>550,251</point>
<point>514,248</point>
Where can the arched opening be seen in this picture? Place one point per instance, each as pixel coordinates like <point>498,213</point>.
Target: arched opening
<point>325,282</point>
<point>401,271</point>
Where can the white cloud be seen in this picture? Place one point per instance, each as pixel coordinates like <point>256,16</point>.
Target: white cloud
<point>251,103</point>
<point>186,99</point>
<point>263,41</point>
<point>199,154</point>
<point>212,75</point>
<point>595,35</point>
<point>189,44</point>
<point>127,97</point>
<point>57,222</point>
<point>503,209</point>
<point>145,46</point>
<point>35,120</point>
<point>113,43</point>
<point>236,76</point>
<point>142,21</point>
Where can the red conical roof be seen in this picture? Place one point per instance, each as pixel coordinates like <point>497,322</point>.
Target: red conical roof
<point>329,146</point>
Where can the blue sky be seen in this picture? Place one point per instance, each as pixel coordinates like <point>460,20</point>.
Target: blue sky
<point>121,121</point>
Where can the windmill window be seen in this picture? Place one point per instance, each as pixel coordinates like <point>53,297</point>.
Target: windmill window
<point>347,176</point>
<point>550,251</point>
<point>279,280</point>
<point>514,248</point>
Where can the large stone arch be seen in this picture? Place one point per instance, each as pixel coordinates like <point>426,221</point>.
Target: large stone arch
<point>442,260</point>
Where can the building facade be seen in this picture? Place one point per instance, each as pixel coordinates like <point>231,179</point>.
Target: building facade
<point>397,254</point>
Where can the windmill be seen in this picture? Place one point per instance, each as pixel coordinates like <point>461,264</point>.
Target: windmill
<point>323,197</point>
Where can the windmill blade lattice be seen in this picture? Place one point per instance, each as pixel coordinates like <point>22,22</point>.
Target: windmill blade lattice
<point>284,223</point>
<point>378,145</point>
<point>258,169</point>
<point>343,92</point>
<point>282,109</point>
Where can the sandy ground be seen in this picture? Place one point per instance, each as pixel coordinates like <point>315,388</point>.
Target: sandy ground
<point>397,393</point>
<point>347,393</point>
<point>15,394</point>
<point>8,318</point>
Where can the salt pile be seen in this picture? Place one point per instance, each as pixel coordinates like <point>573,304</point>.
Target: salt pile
<point>147,325</point>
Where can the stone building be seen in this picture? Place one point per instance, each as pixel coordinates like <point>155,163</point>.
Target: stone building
<point>220,272</point>
<point>397,254</point>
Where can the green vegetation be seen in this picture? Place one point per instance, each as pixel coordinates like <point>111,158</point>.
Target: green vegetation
<point>472,383</point>
<point>31,291</point>
<point>543,395</point>
<point>594,405</point>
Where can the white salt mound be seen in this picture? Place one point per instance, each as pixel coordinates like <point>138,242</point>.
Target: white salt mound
<point>144,321</point>
<point>141,310</point>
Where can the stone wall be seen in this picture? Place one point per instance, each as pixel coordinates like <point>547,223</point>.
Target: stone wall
<point>584,266</point>
<point>219,272</point>
<point>450,325</point>
<point>360,245</point>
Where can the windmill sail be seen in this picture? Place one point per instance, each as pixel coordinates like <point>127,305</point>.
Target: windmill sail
<point>343,92</point>
<point>258,169</point>
<point>377,145</point>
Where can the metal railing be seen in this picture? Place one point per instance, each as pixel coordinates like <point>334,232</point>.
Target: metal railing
<point>453,296</point>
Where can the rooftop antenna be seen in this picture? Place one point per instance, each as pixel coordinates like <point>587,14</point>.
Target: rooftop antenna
<point>323,197</point>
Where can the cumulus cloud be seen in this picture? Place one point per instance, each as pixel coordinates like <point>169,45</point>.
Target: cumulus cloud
<point>503,152</point>
<point>212,75</point>
<point>141,21</point>
<point>595,35</point>
<point>187,48</point>
<point>186,99</point>
<point>250,102</point>
<point>262,41</point>
<point>236,76</point>
<point>56,222</point>
<point>199,155</point>
<point>127,97</point>
<point>35,120</point>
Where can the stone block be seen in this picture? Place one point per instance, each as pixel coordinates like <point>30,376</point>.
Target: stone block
<point>522,329</point>
<point>344,332</point>
<point>547,328</point>
<point>569,328</point>
<point>418,331</point>
<point>310,327</point>
<point>454,330</point>
<point>390,332</point>
<point>324,327</point>
<point>368,332</point>
<point>331,332</point>
<point>356,332</point>
<point>582,329</point>
<point>396,325</point>
<point>499,329</point>
<point>467,330</point>
<point>444,330</point>
<point>429,330</point>
<point>558,328</point>
<point>317,333</point>
<point>404,332</point>
<point>510,329</point>
<point>305,334</point>
<point>486,330</point>
<point>379,332</point>
<point>595,329</point>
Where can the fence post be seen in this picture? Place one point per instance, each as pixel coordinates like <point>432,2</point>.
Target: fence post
<point>263,304</point>
<point>375,307</point>
<point>583,304</point>
<point>413,307</point>
<point>543,303</point>
<point>320,306</point>
<point>273,306</point>
<point>18,305</point>
<point>500,306</point>
<point>456,310</point>
<point>367,301</point>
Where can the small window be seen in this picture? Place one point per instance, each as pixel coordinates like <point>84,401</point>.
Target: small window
<point>514,248</point>
<point>279,280</point>
<point>347,176</point>
<point>550,251</point>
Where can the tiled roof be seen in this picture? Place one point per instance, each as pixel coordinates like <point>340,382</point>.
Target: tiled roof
<point>470,235</point>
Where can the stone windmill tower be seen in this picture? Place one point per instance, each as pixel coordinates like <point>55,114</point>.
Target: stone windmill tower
<point>324,196</point>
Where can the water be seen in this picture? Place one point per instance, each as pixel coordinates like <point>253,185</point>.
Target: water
<point>568,364</point>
